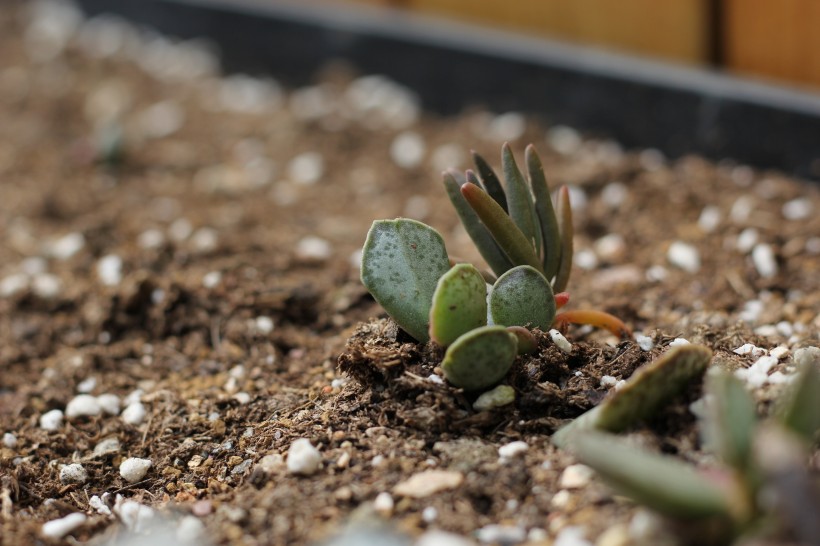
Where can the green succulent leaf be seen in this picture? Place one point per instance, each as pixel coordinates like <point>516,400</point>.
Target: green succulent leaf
<point>459,304</point>
<point>480,358</point>
<point>662,483</point>
<point>564,214</point>
<point>519,200</point>
<point>514,244</point>
<point>402,261</point>
<point>547,220</point>
<point>730,421</point>
<point>527,344</point>
<point>480,235</point>
<point>489,181</point>
<point>522,297</point>
<point>649,389</point>
<point>799,410</point>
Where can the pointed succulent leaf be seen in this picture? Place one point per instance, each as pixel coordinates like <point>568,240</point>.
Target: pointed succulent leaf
<point>522,297</point>
<point>481,236</point>
<point>547,220</point>
<point>504,231</point>
<point>800,406</point>
<point>660,482</point>
<point>730,421</point>
<point>459,304</point>
<point>519,200</point>
<point>480,358</point>
<point>402,261</point>
<point>649,389</point>
<point>564,214</point>
<point>489,181</point>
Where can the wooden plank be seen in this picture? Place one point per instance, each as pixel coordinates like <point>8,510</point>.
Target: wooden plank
<point>775,39</point>
<point>676,29</point>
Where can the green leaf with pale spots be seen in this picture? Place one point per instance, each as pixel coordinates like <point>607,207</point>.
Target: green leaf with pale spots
<point>402,261</point>
<point>522,297</point>
<point>480,358</point>
<point>459,304</point>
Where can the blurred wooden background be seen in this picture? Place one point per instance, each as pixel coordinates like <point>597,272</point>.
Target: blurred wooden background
<point>769,39</point>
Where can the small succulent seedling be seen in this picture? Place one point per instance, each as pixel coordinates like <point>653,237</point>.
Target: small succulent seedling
<point>525,240</point>
<point>761,485</point>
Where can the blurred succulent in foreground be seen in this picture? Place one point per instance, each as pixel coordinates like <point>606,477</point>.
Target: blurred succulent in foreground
<point>761,485</point>
<point>524,240</point>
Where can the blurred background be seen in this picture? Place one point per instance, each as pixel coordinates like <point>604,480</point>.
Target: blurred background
<point>774,40</point>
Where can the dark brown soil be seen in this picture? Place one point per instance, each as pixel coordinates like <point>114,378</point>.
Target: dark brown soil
<point>223,390</point>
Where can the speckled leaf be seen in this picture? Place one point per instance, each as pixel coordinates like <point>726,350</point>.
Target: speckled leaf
<point>519,200</point>
<point>459,304</point>
<point>547,220</point>
<point>480,358</point>
<point>648,390</point>
<point>489,181</point>
<point>522,297</point>
<point>402,261</point>
<point>660,482</point>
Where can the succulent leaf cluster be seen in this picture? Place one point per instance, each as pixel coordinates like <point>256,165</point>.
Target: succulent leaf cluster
<point>523,237</point>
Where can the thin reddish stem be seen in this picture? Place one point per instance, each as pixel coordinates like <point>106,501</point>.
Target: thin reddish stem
<point>599,319</point>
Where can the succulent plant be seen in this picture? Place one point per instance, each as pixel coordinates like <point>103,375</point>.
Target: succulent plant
<point>761,484</point>
<point>526,242</point>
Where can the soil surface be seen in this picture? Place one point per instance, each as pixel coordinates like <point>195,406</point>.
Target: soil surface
<point>188,244</point>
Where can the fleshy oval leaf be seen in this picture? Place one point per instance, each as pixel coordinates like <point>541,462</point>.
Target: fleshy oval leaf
<point>459,304</point>
<point>480,358</point>
<point>522,297</point>
<point>402,261</point>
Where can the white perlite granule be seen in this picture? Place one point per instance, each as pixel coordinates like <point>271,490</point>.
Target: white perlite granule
<point>303,458</point>
<point>560,341</point>
<point>134,469</point>
<point>58,528</point>
<point>684,256</point>
<point>764,260</point>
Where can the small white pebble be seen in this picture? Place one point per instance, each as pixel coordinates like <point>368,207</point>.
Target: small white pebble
<point>614,194</point>
<point>506,127</point>
<point>608,381</point>
<point>746,240</point>
<point>749,349</point>
<point>211,279</point>
<point>134,469</point>
<point>561,499</point>
<point>83,405</point>
<point>407,149</point>
<point>313,248</point>
<point>66,246</point>
<point>151,239</point>
<point>303,459</point>
<point>576,476</point>
<point>189,530</point>
<point>564,140</point>
<point>797,209</point>
<point>644,342</point>
<point>585,259</point>
<point>135,516</point>
<point>383,504</point>
<point>512,449</point>
<point>684,256</point>
<point>571,536</point>
<point>51,420</point>
<point>709,218</point>
<point>205,240</point>
<point>378,461</point>
<point>429,514</point>
<point>560,341</point>
<point>764,260</point>
<point>813,245</point>
<point>242,397</point>
<point>678,341</point>
<point>13,284</point>
<point>46,286</point>
<point>106,446</point>
<point>433,378</point>
<point>501,534</point>
<point>109,403</point>
<point>99,506</point>
<point>58,528</point>
<point>610,247</point>
<point>87,385</point>
<point>134,413</point>
<point>9,440</point>
<point>264,324</point>
<point>306,168</point>
<point>109,270</point>
<point>741,209</point>
<point>180,229</point>
<point>73,473</point>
